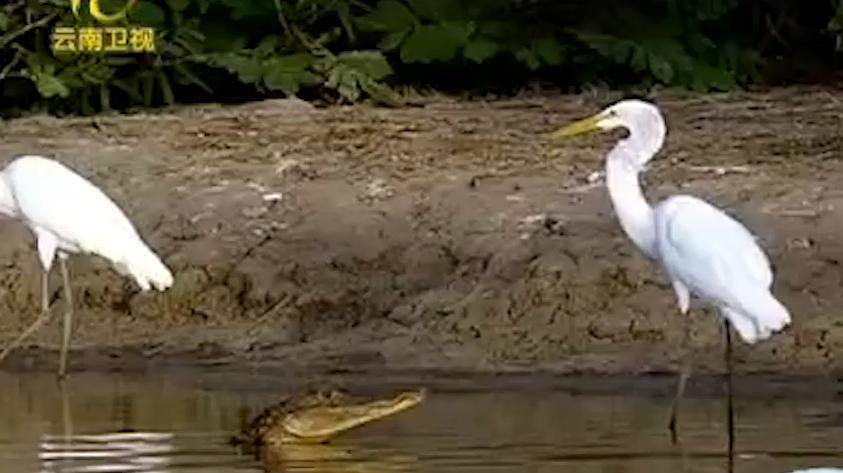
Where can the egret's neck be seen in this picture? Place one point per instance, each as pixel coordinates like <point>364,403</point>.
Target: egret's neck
<point>633,210</point>
<point>7,198</point>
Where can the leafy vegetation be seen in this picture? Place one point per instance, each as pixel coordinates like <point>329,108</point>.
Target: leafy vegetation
<point>347,50</point>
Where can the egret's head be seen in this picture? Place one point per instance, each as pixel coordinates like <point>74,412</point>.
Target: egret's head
<point>643,120</point>
<point>630,114</point>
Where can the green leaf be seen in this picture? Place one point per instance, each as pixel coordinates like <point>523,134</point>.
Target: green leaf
<point>430,43</point>
<point>660,68</point>
<point>278,79</point>
<point>527,56</point>
<point>621,51</point>
<point>639,59</point>
<point>389,15</point>
<point>495,29</point>
<point>348,88</point>
<point>372,64</point>
<point>147,14</point>
<point>481,49</point>
<point>267,45</point>
<point>699,43</point>
<point>49,85</point>
<point>71,79</point>
<point>291,62</point>
<point>247,68</point>
<point>221,36</point>
<point>439,11</point>
<point>289,72</point>
<point>707,78</point>
<point>713,10</point>
<point>178,5</point>
<point>549,50</point>
<point>309,79</point>
<point>241,9</point>
<point>95,73</point>
<point>4,21</point>
<point>334,76</point>
<point>204,5</point>
<point>343,11</point>
<point>380,92</point>
<point>392,40</point>
<point>612,48</point>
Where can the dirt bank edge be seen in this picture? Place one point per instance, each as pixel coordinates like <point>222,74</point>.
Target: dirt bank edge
<point>447,236</point>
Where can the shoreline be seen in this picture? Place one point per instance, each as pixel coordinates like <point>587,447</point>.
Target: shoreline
<point>447,236</point>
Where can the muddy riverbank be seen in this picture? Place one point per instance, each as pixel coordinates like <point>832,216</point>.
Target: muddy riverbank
<point>448,236</point>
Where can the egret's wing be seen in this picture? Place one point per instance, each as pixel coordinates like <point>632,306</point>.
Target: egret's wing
<point>719,261</point>
<point>54,198</point>
<point>707,246</point>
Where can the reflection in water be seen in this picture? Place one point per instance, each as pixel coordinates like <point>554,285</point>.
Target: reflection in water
<point>106,453</point>
<point>327,457</point>
<point>111,424</point>
<point>101,453</point>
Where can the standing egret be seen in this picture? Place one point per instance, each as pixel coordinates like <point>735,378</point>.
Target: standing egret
<point>703,250</point>
<point>68,214</point>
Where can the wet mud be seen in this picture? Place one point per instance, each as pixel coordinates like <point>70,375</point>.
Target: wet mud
<point>445,237</point>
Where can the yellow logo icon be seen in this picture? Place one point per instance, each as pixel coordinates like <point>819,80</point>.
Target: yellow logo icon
<point>97,13</point>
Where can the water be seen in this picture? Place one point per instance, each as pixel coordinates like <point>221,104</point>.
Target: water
<point>110,424</point>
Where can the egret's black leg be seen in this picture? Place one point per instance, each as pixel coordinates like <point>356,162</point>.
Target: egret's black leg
<point>730,415</point>
<point>68,317</point>
<point>683,379</point>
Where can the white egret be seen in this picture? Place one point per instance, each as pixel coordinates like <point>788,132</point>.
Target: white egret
<point>68,214</point>
<point>818,470</point>
<point>703,250</point>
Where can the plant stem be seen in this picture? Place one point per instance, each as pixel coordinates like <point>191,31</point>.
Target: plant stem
<point>35,24</point>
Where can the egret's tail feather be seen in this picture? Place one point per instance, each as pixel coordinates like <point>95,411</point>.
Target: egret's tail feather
<point>758,317</point>
<point>147,269</point>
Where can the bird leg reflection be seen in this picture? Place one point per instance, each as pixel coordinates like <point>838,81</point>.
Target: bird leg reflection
<point>67,423</point>
<point>44,317</point>
<point>683,378</point>
<point>67,420</point>
<point>68,316</point>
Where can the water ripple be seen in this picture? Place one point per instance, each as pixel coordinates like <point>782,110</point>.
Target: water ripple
<point>118,452</point>
<point>111,424</point>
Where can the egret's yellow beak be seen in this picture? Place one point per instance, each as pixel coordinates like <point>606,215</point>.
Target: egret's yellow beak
<point>578,127</point>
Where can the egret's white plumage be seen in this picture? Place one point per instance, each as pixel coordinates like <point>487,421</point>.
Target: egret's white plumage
<point>819,470</point>
<point>707,253</point>
<point>68,214</point>
<point>703,250</point>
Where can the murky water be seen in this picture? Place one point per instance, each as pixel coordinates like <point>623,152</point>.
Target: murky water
<point>110,424</point>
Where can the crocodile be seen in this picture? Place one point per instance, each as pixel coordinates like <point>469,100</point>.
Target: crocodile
<point>316,416</point>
